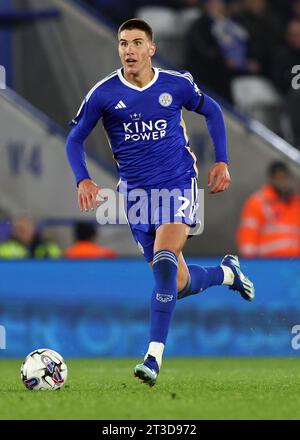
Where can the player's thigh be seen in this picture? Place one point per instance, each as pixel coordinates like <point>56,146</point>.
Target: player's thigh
<point>182,273</point>
<point>171,237</point>
<point>144,241</point>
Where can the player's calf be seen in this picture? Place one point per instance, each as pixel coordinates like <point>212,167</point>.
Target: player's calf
<point>228,273</point>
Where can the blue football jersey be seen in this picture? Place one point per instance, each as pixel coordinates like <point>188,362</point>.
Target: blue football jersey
<point>145,127</point>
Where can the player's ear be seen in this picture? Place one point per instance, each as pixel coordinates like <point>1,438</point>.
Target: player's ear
<point>152,49</point>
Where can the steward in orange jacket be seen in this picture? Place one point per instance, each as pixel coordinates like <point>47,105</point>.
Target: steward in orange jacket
<point>84,246</point>
<point>270,219</point>
<point>88,250</point>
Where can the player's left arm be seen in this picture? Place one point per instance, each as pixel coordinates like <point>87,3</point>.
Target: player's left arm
<point>197,101</point>
<point>218,176</point>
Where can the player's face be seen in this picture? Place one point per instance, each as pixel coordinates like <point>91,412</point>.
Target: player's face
<point>135,51</point>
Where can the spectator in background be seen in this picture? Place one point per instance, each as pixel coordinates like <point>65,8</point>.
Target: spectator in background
<point>234,6</point>
<point>85,246</point>
<point>270,219</point>
<point>296,9</point>
<point>283,8</point>
<point>265,32</point>
<point>24,242</point>
<point>217,49</point>
<point>284,59</point>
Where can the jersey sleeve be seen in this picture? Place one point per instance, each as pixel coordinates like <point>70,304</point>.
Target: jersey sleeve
<point>192,95</point>
<point>83,123</point>
<point>90,111</point>
<point>215,122</point>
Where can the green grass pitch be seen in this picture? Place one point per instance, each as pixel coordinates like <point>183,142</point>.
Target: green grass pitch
<point>198,388</point>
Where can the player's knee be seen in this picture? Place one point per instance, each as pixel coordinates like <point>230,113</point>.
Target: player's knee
<point>165,262</point>
<point>175,249</point>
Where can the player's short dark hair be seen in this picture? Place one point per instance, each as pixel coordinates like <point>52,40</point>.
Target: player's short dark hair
<point>276,166</point>
<point>84,231</point>
<point>137,23</point>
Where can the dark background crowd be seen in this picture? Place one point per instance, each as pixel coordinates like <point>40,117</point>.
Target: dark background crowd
<point>233,39</point>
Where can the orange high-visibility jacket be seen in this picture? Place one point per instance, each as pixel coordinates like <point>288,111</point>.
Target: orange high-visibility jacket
<point>269,226</point>
<point>87,249</point>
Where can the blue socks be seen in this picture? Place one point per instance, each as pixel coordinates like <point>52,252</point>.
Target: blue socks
<point>201,278</point>
<point>164,295</point>
<point>165,292</point>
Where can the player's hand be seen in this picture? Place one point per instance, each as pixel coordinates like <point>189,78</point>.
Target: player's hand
<point>89,196</point>
<point>219,177</point>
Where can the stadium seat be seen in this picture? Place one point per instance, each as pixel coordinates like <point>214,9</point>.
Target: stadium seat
<point>169,27</point>
<point>257,96</point>
<point>166,22</point>
<point>186,17</point>
<point>252,91</point>
<point>162,19</point>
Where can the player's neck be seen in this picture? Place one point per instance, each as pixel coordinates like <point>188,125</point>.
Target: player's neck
<point>140,79</point>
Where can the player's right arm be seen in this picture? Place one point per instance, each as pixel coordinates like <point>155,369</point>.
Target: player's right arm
<point>87,117</point>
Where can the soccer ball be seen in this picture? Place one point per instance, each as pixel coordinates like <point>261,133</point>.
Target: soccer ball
<point>44,369</point>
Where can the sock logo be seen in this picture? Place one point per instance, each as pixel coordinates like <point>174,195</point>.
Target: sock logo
<point>164,298</point>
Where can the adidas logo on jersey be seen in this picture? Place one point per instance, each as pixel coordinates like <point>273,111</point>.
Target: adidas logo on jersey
<point>120,105</point>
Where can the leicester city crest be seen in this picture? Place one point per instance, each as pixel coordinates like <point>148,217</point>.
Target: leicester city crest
<point>165,99</point>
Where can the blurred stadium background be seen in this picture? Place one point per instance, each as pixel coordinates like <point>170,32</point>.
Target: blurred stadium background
<point>53,52</point>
